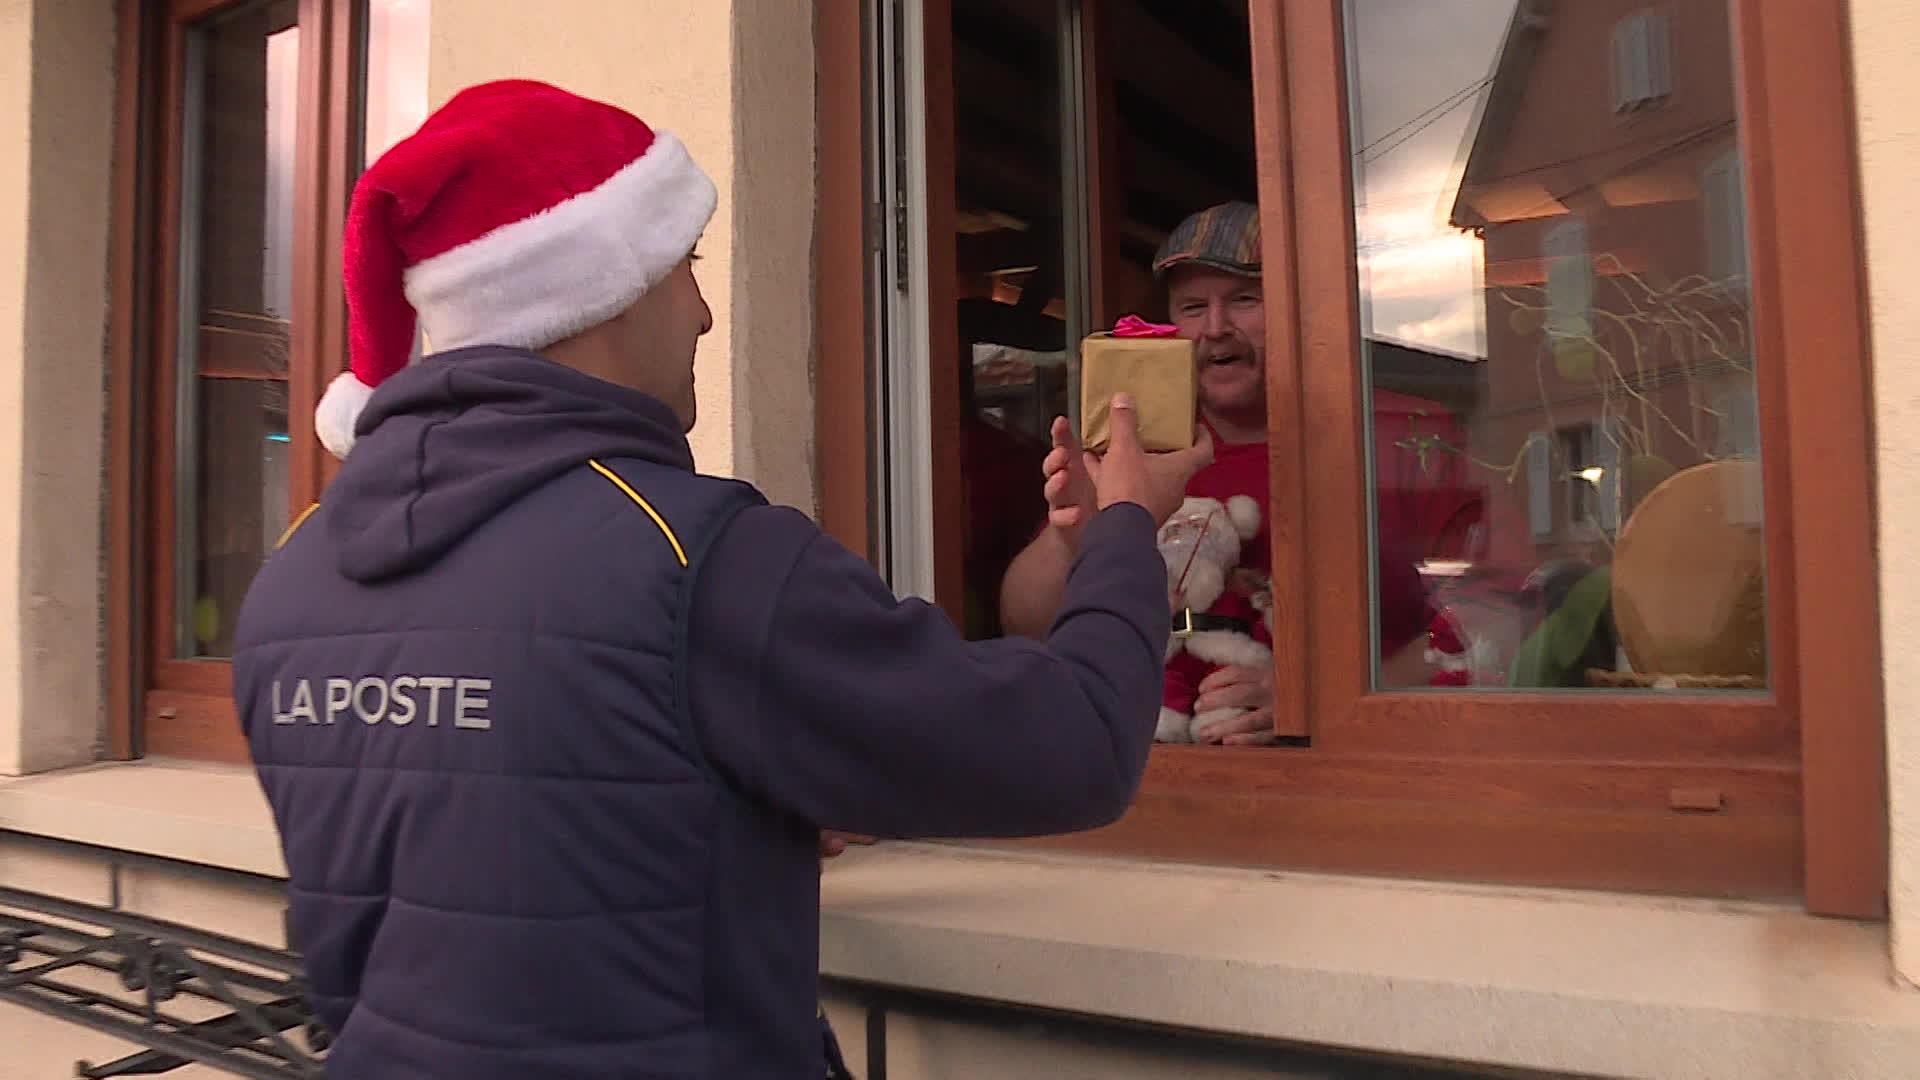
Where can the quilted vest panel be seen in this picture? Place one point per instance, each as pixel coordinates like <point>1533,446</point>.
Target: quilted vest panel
<point>499,826</point>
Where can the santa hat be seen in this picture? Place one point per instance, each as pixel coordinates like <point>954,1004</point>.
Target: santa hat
<point>519,214</point>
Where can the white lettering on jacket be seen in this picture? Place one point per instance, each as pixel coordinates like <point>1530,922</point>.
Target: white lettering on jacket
<point>397,701</point>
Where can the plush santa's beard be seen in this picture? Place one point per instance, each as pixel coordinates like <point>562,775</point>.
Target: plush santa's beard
<point>1203,585</point>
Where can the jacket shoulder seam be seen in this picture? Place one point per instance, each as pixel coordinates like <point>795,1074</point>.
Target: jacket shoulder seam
<point>633,494</point>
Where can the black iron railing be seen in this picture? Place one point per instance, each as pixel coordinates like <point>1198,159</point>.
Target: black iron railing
<point>186,994</point>
<point>191,996</point>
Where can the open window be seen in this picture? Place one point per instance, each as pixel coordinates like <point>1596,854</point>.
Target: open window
<point>1518,354</point>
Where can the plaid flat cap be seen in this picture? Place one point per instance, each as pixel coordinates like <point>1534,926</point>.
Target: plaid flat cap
<point>1225,237</point>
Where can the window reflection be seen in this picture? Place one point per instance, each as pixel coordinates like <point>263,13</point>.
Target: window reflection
<point>238,213</point>
<point>237,202</point>
<point>1010,250</point>
<point>1551,221</point>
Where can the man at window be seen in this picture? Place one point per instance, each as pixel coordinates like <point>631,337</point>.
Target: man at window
<point>1210,268</point>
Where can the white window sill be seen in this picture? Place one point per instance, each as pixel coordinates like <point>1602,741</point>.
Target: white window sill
<point>1535,979</point>
<point>213,815</point>
<point>1584,983</point>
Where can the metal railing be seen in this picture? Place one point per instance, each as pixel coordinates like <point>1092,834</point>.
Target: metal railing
<point>190,996</point>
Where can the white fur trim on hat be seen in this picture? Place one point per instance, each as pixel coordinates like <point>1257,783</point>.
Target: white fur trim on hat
<point>339,411</point>
<point>572,266</point>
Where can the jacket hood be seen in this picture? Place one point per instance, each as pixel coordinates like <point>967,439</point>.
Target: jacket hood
<point>448,443</point>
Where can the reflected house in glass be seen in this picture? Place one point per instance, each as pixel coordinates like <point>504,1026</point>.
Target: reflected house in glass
<point>1603,177</point>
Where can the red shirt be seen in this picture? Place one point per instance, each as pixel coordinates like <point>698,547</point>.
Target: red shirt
<point>1428,500</point>
<point>1003,508</point>
<point>1241,469</point>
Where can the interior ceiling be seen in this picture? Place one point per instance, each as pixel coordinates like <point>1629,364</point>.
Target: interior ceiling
<point>1184,102</point>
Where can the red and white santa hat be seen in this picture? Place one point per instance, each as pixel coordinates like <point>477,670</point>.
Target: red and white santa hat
<point>519,214</point>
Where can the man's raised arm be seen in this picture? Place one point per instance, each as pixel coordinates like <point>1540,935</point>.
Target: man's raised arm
<point>860,712</point>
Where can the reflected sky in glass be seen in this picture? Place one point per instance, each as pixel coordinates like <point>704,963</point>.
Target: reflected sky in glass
<point>1415,119</point>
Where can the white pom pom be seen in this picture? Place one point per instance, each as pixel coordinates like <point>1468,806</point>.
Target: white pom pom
<point>1245,513</point>
<point>339,411</point>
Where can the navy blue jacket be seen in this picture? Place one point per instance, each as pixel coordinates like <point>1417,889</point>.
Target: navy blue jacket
<point>549,724</point>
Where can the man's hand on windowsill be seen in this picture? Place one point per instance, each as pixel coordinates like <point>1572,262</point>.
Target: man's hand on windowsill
<point>1248,688</point>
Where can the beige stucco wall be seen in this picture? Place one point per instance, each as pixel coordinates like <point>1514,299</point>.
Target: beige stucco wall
<point>16,161</point>
<point>56,132</point>
<point>924,1046</point>
<point>932,1042</point>
<point>739,92</point>
<point>1886,84</point>
<point>773,222</point>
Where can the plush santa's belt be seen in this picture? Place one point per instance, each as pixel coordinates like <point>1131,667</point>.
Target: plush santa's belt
<point>1187,622</point>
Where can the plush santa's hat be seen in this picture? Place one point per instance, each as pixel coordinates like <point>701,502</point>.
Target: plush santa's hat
<point>519,214</point>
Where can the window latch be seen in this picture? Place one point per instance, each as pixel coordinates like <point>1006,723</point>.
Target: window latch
<point>1696,800</point>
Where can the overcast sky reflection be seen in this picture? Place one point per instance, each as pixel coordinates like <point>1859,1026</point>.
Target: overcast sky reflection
<point>1420,71</point>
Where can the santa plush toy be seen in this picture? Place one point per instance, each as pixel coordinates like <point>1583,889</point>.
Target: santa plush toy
<point>1214,626</point>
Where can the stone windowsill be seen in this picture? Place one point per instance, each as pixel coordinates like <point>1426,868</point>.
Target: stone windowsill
<point>1592,983</point>
<point>213,815</point>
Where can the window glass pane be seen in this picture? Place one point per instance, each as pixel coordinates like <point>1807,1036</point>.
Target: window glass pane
<point>1551,222</point>
<point>241,131</point>
<point>1011,252</point>
<point>238,220</point>
<point>1173,96</point>
<point>243,500</point>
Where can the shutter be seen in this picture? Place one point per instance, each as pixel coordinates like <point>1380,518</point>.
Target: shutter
<point>1608,457</point>
<point>1738,432</point>
<point>1658,46</point>
<point>1539,486</point>
<point>1642,61</point>
<point>1569,278</point>
<point>1622,65</point>
<point>1724,205</point>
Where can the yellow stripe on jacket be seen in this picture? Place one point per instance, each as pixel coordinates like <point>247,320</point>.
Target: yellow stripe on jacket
<point>665,530</point>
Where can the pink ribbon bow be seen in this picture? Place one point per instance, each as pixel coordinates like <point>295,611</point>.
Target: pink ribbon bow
<point>1133,326</point>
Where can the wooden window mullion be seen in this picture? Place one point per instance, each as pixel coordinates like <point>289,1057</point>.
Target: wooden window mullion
<point>185,704</point>
<point>842,414</point>
<point>1106,184</point>
<point>161,390</point>
<point>321,193</point>
<point>129,314</point>
<point>1809,298</point>
<point>1281,232</point>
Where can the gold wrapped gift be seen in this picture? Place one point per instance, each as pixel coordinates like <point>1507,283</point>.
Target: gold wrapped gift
<point>1157,371</point>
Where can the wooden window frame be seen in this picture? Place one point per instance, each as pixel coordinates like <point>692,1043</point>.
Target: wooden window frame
<point>162,705</point>
<point>1776,795</point>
